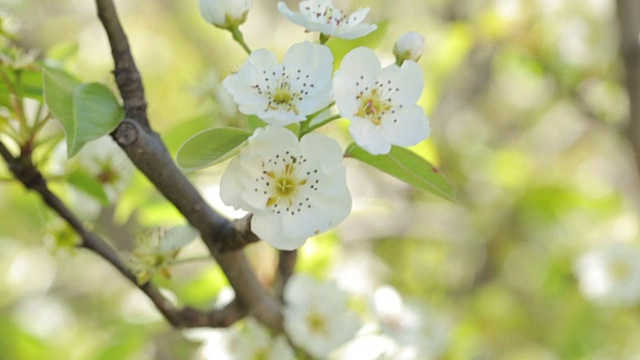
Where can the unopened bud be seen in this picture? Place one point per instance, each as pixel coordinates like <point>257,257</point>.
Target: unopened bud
<point>225,14</point>
<point>408,47</point>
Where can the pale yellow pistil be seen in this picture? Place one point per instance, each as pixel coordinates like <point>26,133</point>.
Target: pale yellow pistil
<point>286,186</point>
<point>372,107</point>
<point>282,98</point>
<point>317,323</point>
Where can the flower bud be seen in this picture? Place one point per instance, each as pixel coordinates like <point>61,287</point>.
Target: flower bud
<point>408,47</point>
<point>225,14</point>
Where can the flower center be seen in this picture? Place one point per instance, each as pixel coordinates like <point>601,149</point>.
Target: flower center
<point>287,183</point>
<point>281,96</point>
<point>328,14</point>
<point>376,101</point>
<point>373,108</point>
<point>317,323</point>
<point>619,270</point>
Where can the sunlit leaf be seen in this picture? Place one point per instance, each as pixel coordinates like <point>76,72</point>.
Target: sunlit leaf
<point>406,166</point>
<point>86,111</point>
<point>210,147</point>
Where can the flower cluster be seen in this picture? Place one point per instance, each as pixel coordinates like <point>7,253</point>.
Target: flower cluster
<point>293,179</point>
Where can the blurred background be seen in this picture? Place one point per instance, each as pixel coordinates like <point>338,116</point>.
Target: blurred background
<point>529,116</point>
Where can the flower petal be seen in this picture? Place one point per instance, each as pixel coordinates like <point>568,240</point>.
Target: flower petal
<point>409,126</point>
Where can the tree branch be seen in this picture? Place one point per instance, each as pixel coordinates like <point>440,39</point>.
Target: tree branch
<point>147,151</point>
<point>24,171</point>
<point>286,265</point>
<point>629,25</point>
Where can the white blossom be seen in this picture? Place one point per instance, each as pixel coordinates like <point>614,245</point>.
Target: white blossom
<point>418,332</point>
<point>224,14</point>
<point>249,341</point>
<point>409,46</point>
<point>611,275</point>
<point>322,16</point>
<point>282,94</point>
<point>295,188</point>
<point>380,102</point>
<point>316,316</point>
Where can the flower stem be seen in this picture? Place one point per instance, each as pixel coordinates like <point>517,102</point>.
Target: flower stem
<point>310,128</point>
<point>324,38</point>
<point>239,38</point>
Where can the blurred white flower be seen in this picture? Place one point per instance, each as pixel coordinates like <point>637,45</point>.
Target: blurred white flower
<point>282,94</point>
<point>104,160</point>
<point>316,317</point>
<point>295,188</point>
<point>225,14</point>
<point>611,275</point>
<point>157,249</point>
<point>323,17</point>
<point>418,333</point>
<point>381,103</point>
<point>249,341</point>
<point>409,46</point>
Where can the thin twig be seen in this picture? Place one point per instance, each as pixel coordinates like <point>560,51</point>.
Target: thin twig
<point>286,266</point>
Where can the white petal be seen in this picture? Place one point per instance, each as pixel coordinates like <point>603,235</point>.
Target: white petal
<point>411,127</point>
<point>212,11</point>
<point>326,150</point>
<point>359,68</point>
<point>357,31</point>
<point>369,136</point>
<point>411,82</point>
<point>310,67</point>
<point>268,227</point>
<point>230,186</point>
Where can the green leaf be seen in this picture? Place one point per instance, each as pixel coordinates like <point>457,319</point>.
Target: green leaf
<point>89,185</point>
<point>27,82</point>
<point>210,147</point>
<point>406,166</point>
<point>97,112</point>
<point>255,122</point>
<point>86,111</point>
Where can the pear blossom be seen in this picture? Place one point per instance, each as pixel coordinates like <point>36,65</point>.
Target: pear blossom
<point>250,341</point>
<point>225,14</point>
<point>418,333</point>
<point>295,188</point>
<point>157,249</point>
<point>611,275</point>
<point>316,316</point>
<point>322,16</point>
<point>409,46</point>
<point>380,102</point>
<point>282,94</point>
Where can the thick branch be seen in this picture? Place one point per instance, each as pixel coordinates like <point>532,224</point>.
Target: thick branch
<point>25,172</point>
<point>629,25</point>
<point>147,151</point>
<point>126,73</point>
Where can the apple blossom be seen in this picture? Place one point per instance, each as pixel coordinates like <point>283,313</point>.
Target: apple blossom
<point>282,94</point>
<point>316,317</point>
<point>380,102</point>
<point>322,16</point>
<point>295,188</point>
<point>225,14</point>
